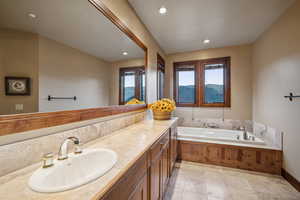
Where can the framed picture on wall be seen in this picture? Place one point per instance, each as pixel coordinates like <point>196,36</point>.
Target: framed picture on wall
<point>17,86</point>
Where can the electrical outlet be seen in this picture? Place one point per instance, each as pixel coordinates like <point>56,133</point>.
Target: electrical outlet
<point>19,107</point>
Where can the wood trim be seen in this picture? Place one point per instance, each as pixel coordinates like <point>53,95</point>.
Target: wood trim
<point>160,61</point>
<point>99,5</point>
<point>115,20</point>
<point>161,66</point>
<point>248,158</point>
<point>199,81</point>
<point>32,121</point>
<point>28,122</point>
<point>227,88</point>
<point>292,180</point>
<point>178,66</point>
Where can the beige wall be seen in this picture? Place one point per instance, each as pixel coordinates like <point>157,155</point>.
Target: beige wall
<point>115,76</point>
<point>18,57</point>
<point>54,69</point>
<point>276,61</point>
<point>67,72</point>
<point>241,85</point>
<point>124,11</point>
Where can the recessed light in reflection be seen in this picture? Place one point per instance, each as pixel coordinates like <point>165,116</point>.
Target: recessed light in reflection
<point>206,41</point>
<point>163,10</point>
<point>125,53</point>
<point>32,15</point>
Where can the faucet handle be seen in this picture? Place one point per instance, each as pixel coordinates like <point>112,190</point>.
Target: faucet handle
<point>48,160</point>
<point>77,149</point>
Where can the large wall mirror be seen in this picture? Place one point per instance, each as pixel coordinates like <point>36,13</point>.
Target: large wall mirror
<point>60,55</point>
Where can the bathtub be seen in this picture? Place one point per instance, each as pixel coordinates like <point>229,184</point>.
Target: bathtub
<point>221,147</point>
<point>216,135</point>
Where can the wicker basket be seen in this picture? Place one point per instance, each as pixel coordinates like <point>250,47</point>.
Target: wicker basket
<point>158,115</point>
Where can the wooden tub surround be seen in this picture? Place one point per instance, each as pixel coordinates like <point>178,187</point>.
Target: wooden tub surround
<point>248,158</point>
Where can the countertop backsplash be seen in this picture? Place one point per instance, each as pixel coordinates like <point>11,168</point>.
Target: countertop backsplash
<point>24,153</point>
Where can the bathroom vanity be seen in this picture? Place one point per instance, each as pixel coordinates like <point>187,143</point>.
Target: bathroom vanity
<point>149,175</point>
<point>146,152</point>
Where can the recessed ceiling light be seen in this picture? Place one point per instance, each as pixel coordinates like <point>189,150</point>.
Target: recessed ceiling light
<point>163,10</point>
<point>125,53</point>
<point>206,41</point>
<point>32,15</point>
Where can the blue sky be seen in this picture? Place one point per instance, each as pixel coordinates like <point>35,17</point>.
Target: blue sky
<point>129,81</point>
<point>213,76</point>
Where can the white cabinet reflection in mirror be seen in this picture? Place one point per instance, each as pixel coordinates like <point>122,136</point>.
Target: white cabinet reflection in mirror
<point>73,172</point>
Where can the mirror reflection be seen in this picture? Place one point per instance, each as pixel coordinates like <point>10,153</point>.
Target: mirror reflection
<point>55,57</point>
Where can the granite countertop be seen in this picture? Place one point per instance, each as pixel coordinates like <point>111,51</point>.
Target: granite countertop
<point>129,143</point>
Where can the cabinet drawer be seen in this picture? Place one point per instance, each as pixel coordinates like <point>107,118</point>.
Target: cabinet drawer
<point>157,147</point>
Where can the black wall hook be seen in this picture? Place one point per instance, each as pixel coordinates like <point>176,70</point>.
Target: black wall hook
<point>291,96</point>
<point>52,98</point>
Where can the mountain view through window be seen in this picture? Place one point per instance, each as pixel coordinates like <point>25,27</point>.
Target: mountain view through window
<point>186,87</point>
<point>214,83</point>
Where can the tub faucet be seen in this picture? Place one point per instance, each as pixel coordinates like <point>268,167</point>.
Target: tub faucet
<point>63,150</point>
<point>212,125</point>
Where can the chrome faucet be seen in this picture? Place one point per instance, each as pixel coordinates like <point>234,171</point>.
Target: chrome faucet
<point>212,125</point>
<point>245,134</point>
<point>63,150</point>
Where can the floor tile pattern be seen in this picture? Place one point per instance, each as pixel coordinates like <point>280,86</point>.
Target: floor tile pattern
<point>193,181</point>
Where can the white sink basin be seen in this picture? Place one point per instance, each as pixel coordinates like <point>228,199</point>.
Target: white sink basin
<point>73,172</point>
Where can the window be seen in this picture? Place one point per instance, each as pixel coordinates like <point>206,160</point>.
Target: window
<point>160,76</point>
<point>202,83</point>
<point>143,88</point>
<point>132,84</point>
<point>214,83</point>
<point>185,81</point>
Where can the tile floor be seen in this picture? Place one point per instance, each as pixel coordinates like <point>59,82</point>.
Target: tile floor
<point>193,181</point>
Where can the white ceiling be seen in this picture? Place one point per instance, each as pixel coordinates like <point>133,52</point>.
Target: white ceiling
<point>75,23</point>
<point>225,22</point>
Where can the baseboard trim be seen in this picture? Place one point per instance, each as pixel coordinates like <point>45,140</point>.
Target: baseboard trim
<point>293,181</point>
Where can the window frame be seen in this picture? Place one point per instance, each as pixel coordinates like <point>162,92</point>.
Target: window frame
<point>182,66</point>
<point>200,82</point>
<point>160,69</point>
<point>138,71</point>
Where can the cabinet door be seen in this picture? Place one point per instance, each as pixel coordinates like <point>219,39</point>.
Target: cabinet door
<point>141,191</point>
<point>155,179</point>
<point>165,167</point>
<point>128,185</point>
<point>173,146</point>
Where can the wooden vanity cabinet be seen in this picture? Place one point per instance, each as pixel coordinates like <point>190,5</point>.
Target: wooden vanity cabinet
<point>148,178</point>
<point>159,167</point>
<point>165,175</point>
<point>173,147</point>
<point>155,179</point>
<point>141,191</point>
<point>133,184</point>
